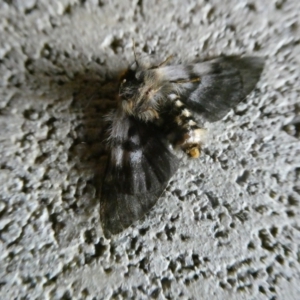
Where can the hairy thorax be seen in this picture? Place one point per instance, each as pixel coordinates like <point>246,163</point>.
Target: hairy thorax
<point>142,93</point>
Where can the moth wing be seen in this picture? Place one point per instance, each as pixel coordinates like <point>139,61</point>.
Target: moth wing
<point>223,83</point>
<point>139,168</point>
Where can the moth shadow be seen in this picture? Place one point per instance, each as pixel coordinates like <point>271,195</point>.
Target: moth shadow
<point>80,103</point>
<point>92,101</point>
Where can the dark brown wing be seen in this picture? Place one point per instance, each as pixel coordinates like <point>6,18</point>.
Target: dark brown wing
<point>139,168</point>
<point>223,83</point>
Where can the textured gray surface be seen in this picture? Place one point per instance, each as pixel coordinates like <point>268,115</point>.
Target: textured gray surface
<point>227,227</point>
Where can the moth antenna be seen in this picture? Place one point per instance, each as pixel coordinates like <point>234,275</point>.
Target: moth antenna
<point>196,79</point>
<point>134,52</point>
<point>162,63</point>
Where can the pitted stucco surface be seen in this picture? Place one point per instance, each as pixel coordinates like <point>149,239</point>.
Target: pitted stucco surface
<point>227,227</point>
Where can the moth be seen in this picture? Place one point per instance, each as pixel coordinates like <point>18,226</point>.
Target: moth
<point>154,113</point>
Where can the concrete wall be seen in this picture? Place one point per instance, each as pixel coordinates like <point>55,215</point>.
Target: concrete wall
<point>227,227</point>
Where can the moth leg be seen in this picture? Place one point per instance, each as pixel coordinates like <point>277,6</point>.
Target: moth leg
<point>183,130</point>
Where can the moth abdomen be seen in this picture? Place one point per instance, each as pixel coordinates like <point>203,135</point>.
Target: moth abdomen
<point>182,129</point>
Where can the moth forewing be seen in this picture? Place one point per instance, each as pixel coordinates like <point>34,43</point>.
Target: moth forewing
<point>139,168</point>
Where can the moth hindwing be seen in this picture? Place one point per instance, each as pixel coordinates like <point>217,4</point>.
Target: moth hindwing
<point>155,105</point>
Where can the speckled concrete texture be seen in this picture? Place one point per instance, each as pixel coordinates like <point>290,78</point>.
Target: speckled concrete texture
<point>227,226</point>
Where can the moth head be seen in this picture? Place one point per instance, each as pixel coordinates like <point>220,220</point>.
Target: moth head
<point>129,89</point>
<point>138,94</point>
